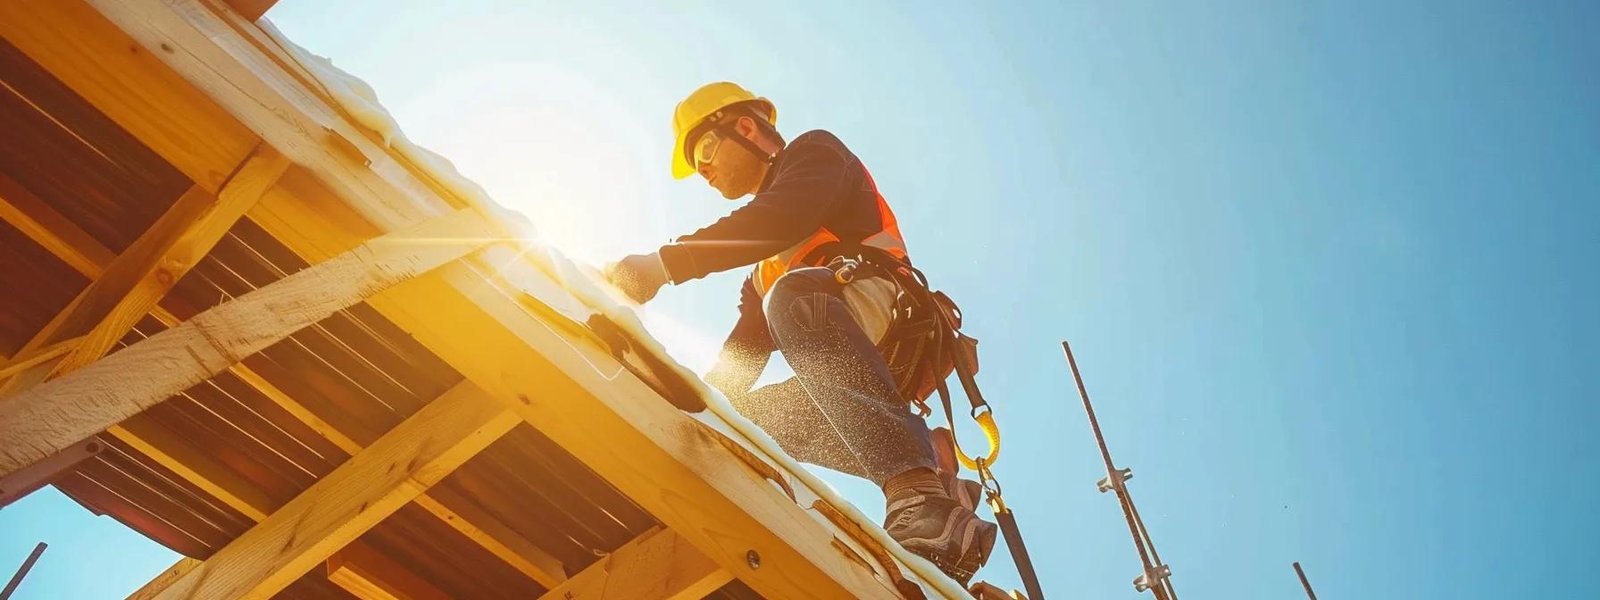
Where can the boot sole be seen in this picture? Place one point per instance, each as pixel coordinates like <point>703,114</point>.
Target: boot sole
<point>976,540</point>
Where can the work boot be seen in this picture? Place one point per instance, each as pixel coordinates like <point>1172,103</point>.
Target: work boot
<point>943,531</point>
<point>966,492</point>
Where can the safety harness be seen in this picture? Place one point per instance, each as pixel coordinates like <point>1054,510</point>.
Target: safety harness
<point>923,347</point>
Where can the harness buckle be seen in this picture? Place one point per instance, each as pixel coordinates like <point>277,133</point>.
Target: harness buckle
<point>844,269</point>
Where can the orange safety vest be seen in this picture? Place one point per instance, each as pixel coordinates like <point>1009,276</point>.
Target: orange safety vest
<point>887,239</point>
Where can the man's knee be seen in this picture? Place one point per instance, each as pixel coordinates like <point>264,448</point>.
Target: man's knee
<point>800,298</point>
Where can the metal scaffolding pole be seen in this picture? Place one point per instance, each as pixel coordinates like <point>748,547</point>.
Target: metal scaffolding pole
<point>1303,581</point>
<point>22,571</point>
<point>1156,576</point>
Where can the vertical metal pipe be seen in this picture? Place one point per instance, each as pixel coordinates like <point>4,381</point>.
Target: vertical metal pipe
<point>22,571</point>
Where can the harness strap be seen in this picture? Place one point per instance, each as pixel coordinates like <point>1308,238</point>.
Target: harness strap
<point>936,319</point>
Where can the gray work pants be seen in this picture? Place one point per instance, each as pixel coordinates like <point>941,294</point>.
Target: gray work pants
<point>841,410</point>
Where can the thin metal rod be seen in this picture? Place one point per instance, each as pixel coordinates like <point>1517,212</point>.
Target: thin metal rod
<point>27,565</point>
<point>1089,408</point>
<point>1303,581</point>
<point>1130,512</point>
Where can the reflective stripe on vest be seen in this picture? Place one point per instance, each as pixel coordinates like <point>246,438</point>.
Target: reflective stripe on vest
<point>887,239</point>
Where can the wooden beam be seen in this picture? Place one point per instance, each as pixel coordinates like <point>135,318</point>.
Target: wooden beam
<point>370,575</point>
<point>166,448</point>
<point>498,538</point>
<point>160,583</point>
<point>48,228</point>
<point>128,83</point>
<point>251,9</point>
<point>337,509</point>
<point>89,257</point>
<point>138,278</point>
<point>657,564</point>
<point>41,421</point>
<point>21,482</point>
<point>28,359</point>
<point>250,86</point>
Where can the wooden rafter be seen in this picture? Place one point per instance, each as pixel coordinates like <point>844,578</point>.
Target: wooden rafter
<point>28,359</point>
<point>51,416</point>
<point>37,220</point>
<point>617,426</point>
<point>130,85</point>
<point>363,491</point>
<point>138,278</point>
<point>369,575</point>
<point>657,564</point>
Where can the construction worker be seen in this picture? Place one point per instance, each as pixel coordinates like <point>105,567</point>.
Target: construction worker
<point>814,205</point>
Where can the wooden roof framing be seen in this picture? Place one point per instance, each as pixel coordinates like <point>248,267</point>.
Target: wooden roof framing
<point>242,325</point>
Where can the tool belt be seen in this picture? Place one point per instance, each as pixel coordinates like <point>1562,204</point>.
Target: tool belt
<point>924,341</point>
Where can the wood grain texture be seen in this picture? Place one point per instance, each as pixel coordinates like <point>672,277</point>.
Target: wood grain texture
<point>178,569</point>
<point>58,413</point>
<point>137,279</point>
<point>334,511</point>
<point>658,564</point>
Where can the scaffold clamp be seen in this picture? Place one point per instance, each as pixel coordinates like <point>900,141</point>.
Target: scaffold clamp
<point>1150,578</point>
<point>1105,484</point>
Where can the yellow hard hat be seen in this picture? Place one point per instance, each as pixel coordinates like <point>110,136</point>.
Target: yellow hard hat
<point>705,103</point>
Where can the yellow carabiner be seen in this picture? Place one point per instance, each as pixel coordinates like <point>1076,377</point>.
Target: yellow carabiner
<point>990,432</point>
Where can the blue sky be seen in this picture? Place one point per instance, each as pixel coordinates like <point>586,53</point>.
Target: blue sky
<point>1328,268</point>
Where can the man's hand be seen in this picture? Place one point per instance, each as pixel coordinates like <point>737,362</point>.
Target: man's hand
<point>639,276</point>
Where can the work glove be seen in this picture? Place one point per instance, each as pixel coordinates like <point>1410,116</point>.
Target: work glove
<point>639,276</point>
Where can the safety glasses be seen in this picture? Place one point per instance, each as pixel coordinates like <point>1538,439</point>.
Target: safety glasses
<point>705,150</point>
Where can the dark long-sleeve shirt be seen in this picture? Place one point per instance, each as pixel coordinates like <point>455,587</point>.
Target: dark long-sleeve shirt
<point>815,182</point>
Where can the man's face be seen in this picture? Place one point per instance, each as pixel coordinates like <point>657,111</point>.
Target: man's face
<point>733,169</point>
